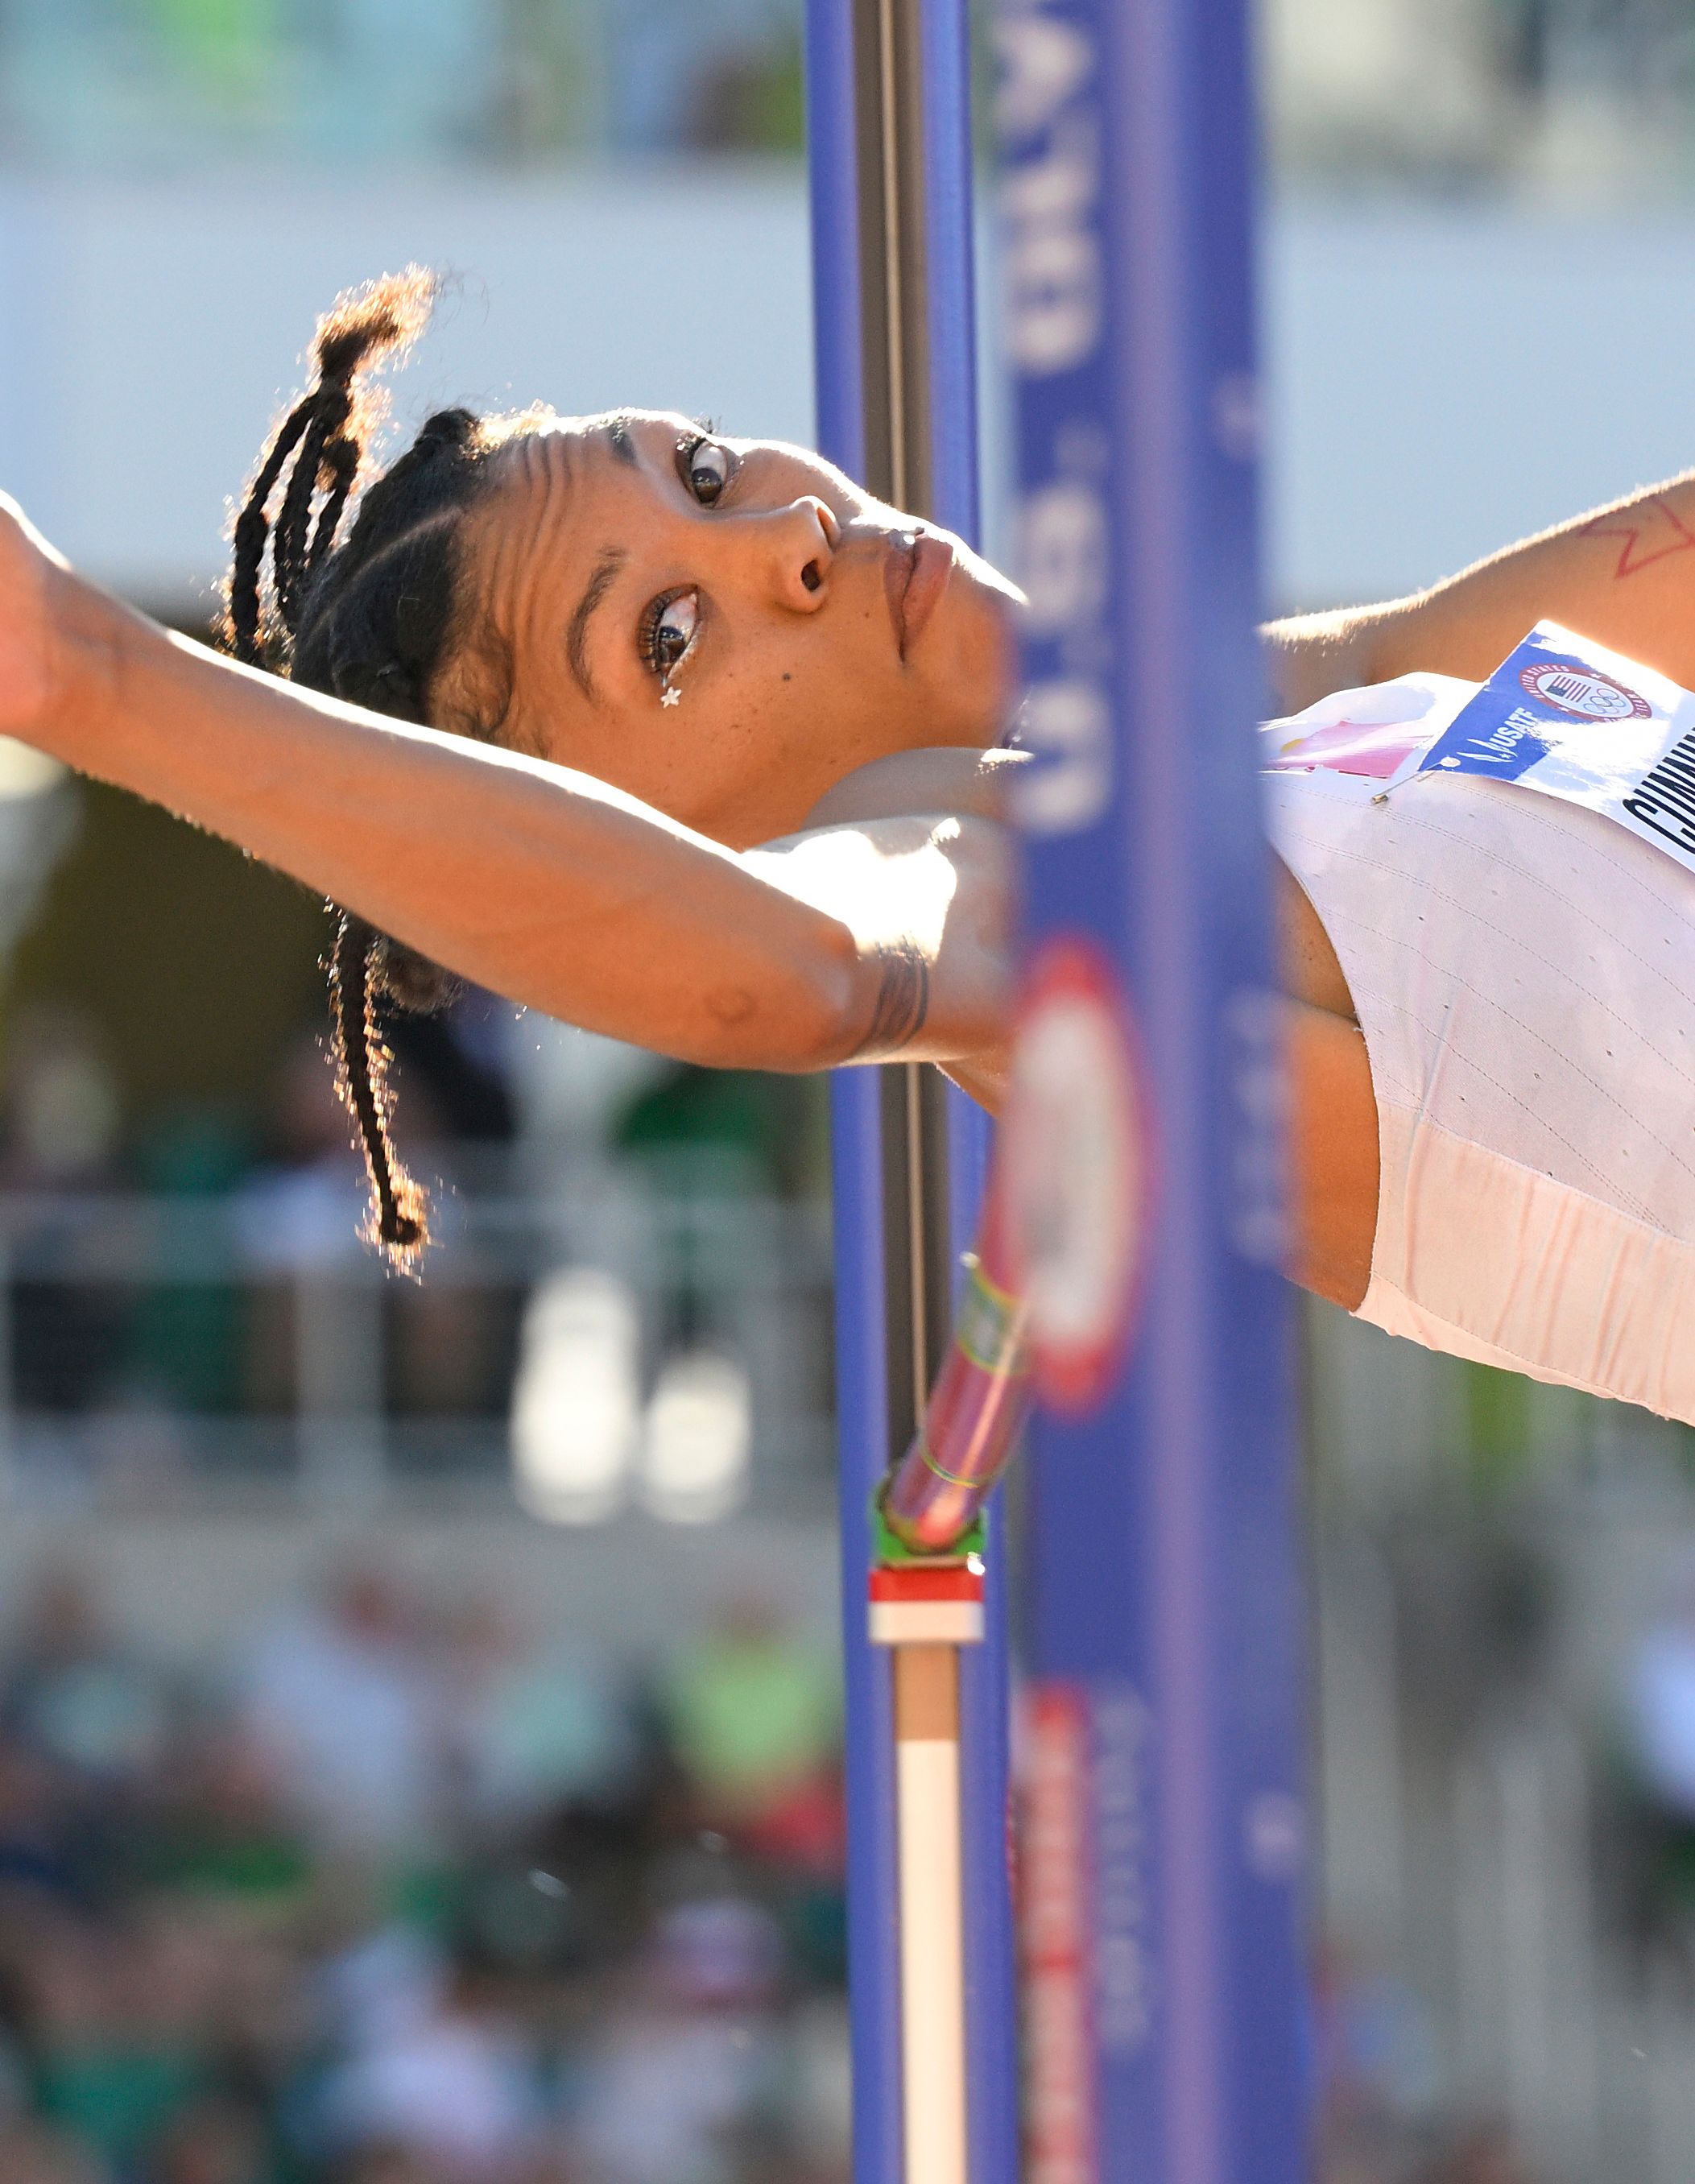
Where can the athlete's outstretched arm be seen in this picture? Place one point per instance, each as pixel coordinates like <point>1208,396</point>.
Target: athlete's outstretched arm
<point>543,885</point>
<point>1624,575</point>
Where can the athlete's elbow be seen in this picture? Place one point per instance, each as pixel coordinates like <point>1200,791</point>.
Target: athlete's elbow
<point>829,1028</point>
<point>802,1022</point>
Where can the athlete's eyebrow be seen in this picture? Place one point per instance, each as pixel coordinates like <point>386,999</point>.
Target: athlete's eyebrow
<point>612,558</point>
<point>622,441</point>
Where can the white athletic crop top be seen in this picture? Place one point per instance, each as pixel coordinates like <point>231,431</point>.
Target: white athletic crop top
<point>1524,973</point>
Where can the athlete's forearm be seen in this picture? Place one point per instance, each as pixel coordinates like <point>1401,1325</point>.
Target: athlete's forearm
<point>1624,575</point>
<point>542,885</point>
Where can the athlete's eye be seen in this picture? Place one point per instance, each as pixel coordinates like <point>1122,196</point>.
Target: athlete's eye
<point>668,630</point>
<point>706,467</point>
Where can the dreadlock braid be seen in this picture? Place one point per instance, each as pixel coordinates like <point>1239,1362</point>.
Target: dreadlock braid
<point>330,406</point>
<point>339,466</point>
<point>367,619</point>
<point>398,1223</point>
<point>242,615</point>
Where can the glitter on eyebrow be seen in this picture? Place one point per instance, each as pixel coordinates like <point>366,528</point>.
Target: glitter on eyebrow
<point>619,439</point>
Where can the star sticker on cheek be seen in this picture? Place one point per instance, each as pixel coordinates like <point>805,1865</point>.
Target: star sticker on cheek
<point>670,697</point>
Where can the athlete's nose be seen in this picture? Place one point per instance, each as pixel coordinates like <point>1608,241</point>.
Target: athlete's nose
<point>791,551</point>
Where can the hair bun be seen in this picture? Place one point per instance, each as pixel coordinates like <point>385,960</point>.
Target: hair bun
<point>384,685</point>
<point>447,428</point>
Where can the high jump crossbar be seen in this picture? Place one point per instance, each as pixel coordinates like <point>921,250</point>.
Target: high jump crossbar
<point>1163,1843</point>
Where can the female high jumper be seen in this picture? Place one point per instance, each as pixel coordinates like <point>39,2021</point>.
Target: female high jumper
<point>689,741</point>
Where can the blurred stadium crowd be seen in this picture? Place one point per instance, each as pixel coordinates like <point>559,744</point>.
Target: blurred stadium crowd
<point>367,81</point>
<point>382,1895</point>
<point>1571,93</point>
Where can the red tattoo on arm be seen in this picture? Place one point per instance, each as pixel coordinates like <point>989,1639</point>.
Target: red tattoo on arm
<point>1650,532</point>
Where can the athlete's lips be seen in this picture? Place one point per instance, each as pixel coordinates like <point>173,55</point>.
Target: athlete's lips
<point>915,575</point>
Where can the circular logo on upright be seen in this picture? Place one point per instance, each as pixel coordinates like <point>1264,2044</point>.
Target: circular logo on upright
<point>1583,692</point>
<point>1077,1173</point>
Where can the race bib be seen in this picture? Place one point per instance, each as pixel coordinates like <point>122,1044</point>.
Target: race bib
<point>1561,714</point>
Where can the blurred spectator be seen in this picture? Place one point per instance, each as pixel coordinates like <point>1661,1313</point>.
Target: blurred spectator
<point>117,2032</point>
<point>186,1338</point>
<point>457,1055</point>
<point>303,1206</point>
<point>1651,1844</point>
<point>74,1695</point>
<point>1379,2071</point>
<point>378,1981</point>
<point>222,1832</point>
<point>684,2084</point>
<point>453,1338</point>
<point>338,1696</point>
<point>748,94</point>
<point>823,2095</point>
<point>691,78</point>
<point>533,1732</point>
<point>217,2140</point>
<point>60,1122</point>
<point>36,2153</point>
<point>1662,1703</point>
<point>60,1118</point>
<point>38,1851</point>
<point>753,1711</point>
<point>448,2078</point>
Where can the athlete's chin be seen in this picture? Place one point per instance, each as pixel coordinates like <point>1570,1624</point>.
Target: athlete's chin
<point>970,663</point>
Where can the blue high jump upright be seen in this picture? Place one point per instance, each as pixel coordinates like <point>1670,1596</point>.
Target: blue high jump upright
<point>891,153</point>
<point>1163,1848</point>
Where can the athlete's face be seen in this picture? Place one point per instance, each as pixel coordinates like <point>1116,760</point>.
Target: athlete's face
<point>724,628</point>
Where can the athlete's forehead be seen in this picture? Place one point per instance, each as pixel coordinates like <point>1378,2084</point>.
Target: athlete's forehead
<point>557,462</point>
<point>620,432</point>
<point>628,425</point>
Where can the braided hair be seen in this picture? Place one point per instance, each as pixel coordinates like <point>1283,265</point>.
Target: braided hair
<point>368,619</point>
